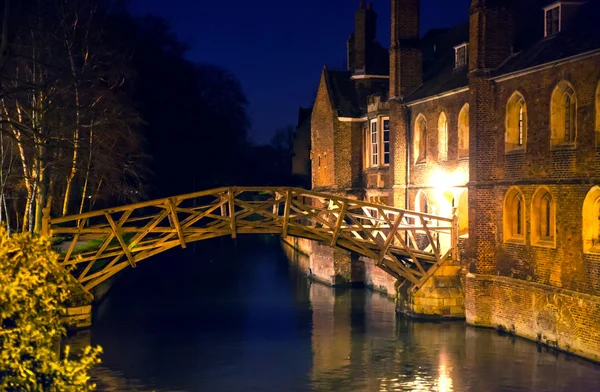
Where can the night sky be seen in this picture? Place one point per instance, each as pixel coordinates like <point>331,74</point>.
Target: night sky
<point>277,48</point>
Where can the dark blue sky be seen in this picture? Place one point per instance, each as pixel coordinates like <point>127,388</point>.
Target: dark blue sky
<point>277,48</point>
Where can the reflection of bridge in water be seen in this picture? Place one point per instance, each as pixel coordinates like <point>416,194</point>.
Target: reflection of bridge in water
<point>408,245</point>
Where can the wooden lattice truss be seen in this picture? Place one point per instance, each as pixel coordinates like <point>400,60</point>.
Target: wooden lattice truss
<point>407,244</point>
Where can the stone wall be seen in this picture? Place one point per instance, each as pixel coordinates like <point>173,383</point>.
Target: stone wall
<point>441,297</point>
<point>557,317</point>
<point>377,279</point>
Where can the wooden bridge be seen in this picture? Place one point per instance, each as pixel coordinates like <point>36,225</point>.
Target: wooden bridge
<point>407,244</point>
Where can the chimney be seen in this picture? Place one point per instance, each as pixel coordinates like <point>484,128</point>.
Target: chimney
<point>491,33</point>
<point>365,27</point>
<point>406,59</point>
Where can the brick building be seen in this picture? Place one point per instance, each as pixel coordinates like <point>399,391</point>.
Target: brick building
<point>499,120</point>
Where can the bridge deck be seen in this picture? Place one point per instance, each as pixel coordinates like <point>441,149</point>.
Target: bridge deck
<point>407,244</point>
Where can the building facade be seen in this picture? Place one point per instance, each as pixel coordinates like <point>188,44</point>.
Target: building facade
<point>498,121</point>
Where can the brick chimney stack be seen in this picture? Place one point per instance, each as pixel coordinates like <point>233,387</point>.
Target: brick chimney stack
<point>491,33</point>
<point>406,59</point>
<point>361,43</point>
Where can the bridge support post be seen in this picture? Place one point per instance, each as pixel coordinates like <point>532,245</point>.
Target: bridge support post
<point>232,213</point>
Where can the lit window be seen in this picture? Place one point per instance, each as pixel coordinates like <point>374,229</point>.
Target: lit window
<point>591,221</point>
<point>514,216</point>
<point>422,203</point>
<point>386,141</point>
<point>463,132</point>
<point>460,55</point>
<point>377,143</point>
<point>516,123</point>
<point>374,144</point>
<point>420,140</point>
<point>520,142</point>
<point>543,218</point>
<point>563,114</point>
<point>552,16</point>
<point>442,137</point>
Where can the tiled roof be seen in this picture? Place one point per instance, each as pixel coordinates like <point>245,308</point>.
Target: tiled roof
<point>348,96</point>
<point>580,36</point>
<point>439,74</point>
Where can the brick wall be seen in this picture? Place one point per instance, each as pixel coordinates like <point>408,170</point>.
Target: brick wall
<point>421,174</point>
<point>560,318</point>
<point>377,279</point>
<point>322,135</point>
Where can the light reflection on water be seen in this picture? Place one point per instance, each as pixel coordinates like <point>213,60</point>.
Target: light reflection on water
<point>241,319</point>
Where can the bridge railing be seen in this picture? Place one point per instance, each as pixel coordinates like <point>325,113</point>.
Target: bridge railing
<point>404,243</point>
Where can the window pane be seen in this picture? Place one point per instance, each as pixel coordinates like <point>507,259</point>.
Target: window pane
<point>518,218</point>
<point>386,142</point>
<point>567,109</point>
<point>374,145</point>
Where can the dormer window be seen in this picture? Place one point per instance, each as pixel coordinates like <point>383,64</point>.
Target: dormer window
<point>552,19</point>
<point>460,55</point>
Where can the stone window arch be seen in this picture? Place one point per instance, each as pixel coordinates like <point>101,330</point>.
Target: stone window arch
<point>420,139</point>
<point>463,132</point>
<point>597,133</point>
<point>442,137</point>
<point>563,114</point>
<point>514,216</point>
<point>421,202</point>
<point>516,123</point>
<point>543,218</point>
<point>591,221</point>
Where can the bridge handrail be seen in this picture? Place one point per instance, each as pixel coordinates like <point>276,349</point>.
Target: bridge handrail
<point>407,244</point>
<point>160,201</point>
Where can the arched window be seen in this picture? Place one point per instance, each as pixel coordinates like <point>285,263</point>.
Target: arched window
<point>598,115</point>
<point>463,213</point>
<point>563,114</point>
<point>442,137</point>
<point>543,218</point>
<point>516,123</point>
<point>420,140</point>
<point>421,202</point>
<point>514,216</point>
<point>591,221</point>
<point>463,132</point>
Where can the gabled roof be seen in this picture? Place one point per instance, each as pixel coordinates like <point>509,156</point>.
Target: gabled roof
<point>348,96</point>
<point>439,74</point>
<point>580,36</point>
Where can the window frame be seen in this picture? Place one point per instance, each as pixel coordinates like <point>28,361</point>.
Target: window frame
<point>463,57</point>
<point>515,136</point>
<point>591,221</point>
<point>563,115</point>
<point>373,143</point>
<point>377,150</point>
<point>460,135</point>
<point>442,137</point>
<point>514,211</point>
<point>543,218</point>
<point>420,140</point>
<point>386,143</point>
<point>549,10</point>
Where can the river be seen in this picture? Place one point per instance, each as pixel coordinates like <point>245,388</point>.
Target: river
<point>239,316</point>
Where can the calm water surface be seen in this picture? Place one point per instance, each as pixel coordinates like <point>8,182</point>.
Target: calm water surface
<point>241,317</point>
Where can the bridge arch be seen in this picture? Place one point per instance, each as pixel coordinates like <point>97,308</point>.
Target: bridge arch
<point>129,234</point>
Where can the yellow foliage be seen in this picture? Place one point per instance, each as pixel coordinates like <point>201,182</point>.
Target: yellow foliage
<point>34,289</point>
